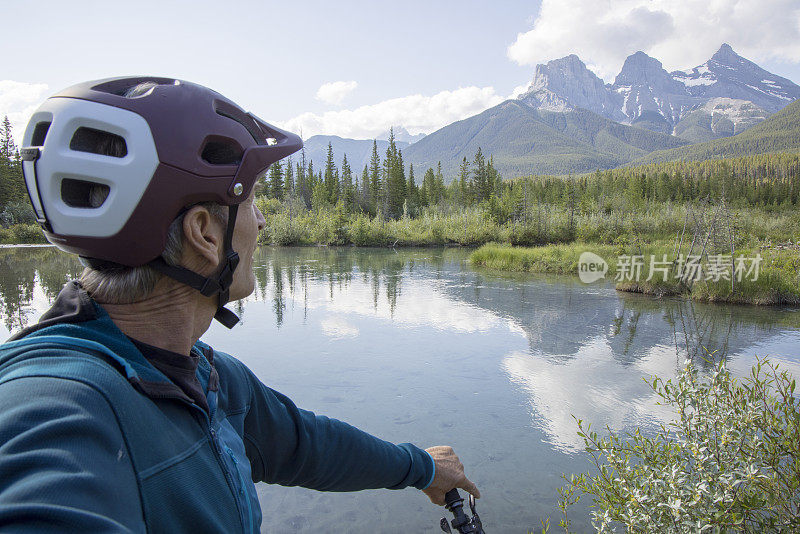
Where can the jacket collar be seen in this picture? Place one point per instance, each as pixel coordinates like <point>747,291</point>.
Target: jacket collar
<point>75,314</point>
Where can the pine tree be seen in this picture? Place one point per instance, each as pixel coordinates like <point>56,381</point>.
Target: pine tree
<point>311,180</point>
<point>439,189</point>
<point>347,192</point>
<point>12,184</point>
<point>412,193</point>
<point>394,177</point>
<point>331,181</point>
<point>366,194</point>
<point>494,179</point>
<point>288,178</point>
<point>481,187</point>
<point>374,176</point>
<point>8,149</point>
<point>276,180</point>
<point>463,182</point>
<point>302,180</point>
<point>427,192</point>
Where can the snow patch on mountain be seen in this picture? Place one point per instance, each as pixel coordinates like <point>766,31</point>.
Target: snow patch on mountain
<point>645,90</point>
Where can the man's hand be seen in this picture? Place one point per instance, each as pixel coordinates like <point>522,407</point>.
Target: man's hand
<point>449,475</point>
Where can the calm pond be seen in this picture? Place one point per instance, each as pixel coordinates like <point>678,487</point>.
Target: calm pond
<point>417,345</point>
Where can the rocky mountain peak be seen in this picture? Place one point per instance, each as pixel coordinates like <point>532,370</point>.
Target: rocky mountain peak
<point>645,94</point>
<point>564,84</point>
<point>640,69</point>
<point>726,56</point>
<point>560,72</point>
<point>401,135</point>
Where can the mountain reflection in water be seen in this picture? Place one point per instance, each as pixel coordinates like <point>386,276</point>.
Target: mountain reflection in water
<point>417,345</point>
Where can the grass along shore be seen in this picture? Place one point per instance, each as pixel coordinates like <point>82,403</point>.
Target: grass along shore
<point>778,281</point>
<point>551,240</point>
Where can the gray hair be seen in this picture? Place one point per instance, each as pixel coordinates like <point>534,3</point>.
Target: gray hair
<point>125,285</point>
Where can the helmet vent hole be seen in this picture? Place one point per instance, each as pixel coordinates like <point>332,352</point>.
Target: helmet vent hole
<point>133,87</point>
<point>140,90</point>
<point>82,194</point>
<point>222,152</point>
<point>98,142</point>
<point>39,133</point>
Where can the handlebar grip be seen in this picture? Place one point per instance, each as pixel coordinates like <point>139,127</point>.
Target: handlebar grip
<point>452,496</point>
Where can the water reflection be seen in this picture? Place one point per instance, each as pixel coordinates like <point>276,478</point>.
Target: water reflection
<point>587,347</point>
<point>25,272</point>
<point>370,284</point>
<point>559,320</point>
<point>416,345</point>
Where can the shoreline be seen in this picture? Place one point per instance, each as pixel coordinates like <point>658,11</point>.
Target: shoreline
<point>777,284</point>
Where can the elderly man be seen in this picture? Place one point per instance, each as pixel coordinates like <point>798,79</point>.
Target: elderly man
<point>113,415</point>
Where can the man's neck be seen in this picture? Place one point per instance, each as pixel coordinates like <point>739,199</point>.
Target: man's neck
<point>172,317</point>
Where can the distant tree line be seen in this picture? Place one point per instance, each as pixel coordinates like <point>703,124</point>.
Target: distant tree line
<point>764,180</point>
<point>385,186</point>
<point>388,189</point>
<point>14,205</point>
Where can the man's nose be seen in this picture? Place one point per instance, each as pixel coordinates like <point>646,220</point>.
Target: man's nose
<point>262,222</point>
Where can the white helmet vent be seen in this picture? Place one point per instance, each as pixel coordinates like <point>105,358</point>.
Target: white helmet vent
<point>39,133</point>
<point>83,194</point>
<point>98,142</point>
<point>106,156</point>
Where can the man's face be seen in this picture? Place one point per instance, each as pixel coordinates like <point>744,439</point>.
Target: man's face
<point>249,221</point>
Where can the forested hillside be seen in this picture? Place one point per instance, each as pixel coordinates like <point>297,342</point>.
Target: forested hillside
<point>523,140</point>
<point>780,132</point>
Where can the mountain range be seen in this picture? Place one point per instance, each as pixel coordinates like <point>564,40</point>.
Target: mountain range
<point>732,92</point>
<point>570,121</point>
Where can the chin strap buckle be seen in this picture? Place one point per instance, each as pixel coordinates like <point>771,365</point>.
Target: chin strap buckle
<point>225,276</point>
<point>225,279</point>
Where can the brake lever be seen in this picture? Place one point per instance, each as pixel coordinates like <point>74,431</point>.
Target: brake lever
<point>461,522</point>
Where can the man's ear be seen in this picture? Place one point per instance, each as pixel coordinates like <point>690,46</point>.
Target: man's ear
<point>202,241</point>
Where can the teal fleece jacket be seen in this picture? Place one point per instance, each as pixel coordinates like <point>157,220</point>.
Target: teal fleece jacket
<point>93,438</point>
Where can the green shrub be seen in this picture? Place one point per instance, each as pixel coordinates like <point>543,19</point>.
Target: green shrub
<point>268,206</point>
<point>359,231</point>
<point>282,230</point>
<point>26,233</point>
<point>6,236</point>
<point>17,212</point>
<point>729,462</point>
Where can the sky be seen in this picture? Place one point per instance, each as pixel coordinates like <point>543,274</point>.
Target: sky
<point>354,68</point>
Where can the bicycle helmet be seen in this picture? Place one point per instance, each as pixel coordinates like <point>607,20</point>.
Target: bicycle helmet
<point>165,148</point>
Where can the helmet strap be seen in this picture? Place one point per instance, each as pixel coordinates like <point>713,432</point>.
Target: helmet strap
<point>218,285</point>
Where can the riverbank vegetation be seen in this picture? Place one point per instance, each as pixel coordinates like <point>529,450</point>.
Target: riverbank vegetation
<point>727,463</point>
<point>740,207</point>
<point>17,224</point>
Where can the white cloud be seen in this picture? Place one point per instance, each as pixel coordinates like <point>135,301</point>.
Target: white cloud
<point>334,92</point>
<point>679,33</point>
<point>422,305</point>
<point>518,90</point>
<point>416,113</point>
<point>19,100</point>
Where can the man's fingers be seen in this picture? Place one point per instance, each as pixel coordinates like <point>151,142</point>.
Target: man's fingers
<point>437,497</point>
<point>469,487</point>
<point>449,475</point>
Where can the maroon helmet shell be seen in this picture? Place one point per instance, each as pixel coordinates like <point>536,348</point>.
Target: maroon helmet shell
<point>185,121</point>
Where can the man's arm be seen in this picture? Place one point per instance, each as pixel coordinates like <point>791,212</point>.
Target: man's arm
<point>64,465</point>
<point>294,447</point>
